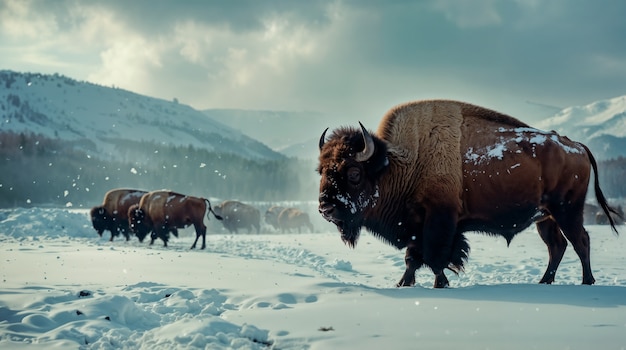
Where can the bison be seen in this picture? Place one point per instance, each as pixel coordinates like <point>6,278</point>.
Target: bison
<point>112,215</point>
<point>436,169</point>
<point>292,218</point>
<point>236,215</point>
<point>165,211</point>
<point>602,219</point>
<point>271,216</point>
<point>589,213</point>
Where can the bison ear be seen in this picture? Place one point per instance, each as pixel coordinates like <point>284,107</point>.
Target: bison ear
<point>368,150</point>
<point>322,139</point>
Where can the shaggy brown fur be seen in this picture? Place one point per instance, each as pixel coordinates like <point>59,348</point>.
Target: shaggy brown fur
<point>271,216</point>
<point>112,215</point>
<point>436,169</point>
<point>293,218</point>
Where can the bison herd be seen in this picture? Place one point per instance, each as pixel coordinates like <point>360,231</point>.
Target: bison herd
<point>159,213</point>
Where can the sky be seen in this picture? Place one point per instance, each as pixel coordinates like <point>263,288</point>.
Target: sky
<point>349,59</point>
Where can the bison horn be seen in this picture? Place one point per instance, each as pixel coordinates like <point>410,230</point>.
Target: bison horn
<point>368,150</point>
<point>322,139</point>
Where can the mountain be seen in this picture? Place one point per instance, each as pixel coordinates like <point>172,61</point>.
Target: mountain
<point>294,134</point>
<point>601,125</point>
<point>99,117</point>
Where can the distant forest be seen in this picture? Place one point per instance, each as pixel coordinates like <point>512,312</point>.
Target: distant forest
<point>39,171</point>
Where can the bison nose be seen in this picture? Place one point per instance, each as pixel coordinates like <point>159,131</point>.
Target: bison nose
<point>327,210</point>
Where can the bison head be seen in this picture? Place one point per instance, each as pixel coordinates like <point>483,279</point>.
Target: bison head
<point>350,163</point>
<point>99,219</point>
<point>138,222</point>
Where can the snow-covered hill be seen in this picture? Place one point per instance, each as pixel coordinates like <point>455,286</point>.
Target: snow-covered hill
<point>601,125</point>
<point>59,107</point>
<point>294,134</point>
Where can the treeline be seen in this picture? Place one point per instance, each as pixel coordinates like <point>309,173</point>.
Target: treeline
<point>35,170</point>
<point>612,176</point>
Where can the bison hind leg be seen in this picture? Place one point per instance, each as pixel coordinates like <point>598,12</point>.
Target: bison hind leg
<point>551,235</point>
<point>576,234</point>
<point>200,232</point>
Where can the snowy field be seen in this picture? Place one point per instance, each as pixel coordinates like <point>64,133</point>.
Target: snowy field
<point>64,287</point>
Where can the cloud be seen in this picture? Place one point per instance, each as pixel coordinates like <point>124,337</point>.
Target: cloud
<point>19,20</point>
<point>344,57</point>
<point>469,13</point>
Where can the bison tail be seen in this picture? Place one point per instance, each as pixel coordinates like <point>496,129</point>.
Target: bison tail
<point>218,217</point>
<point>599,195</point>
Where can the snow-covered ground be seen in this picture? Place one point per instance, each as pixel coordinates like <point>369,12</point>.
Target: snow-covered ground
<point>62,286</point>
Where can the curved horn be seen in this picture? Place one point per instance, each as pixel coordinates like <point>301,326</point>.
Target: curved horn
<point>322,139</point>
<point>368,150</point>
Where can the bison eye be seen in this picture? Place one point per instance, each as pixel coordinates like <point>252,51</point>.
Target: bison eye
<point>354,175</point>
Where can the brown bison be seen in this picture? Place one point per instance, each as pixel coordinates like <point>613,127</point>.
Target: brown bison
<point>271,216</point>
<point>236,215</point>
<point>112,215</point>
<point>602,219</point>
<point>589,213</point>
<point>292,218</point>
<point>437,169</point>
<point>165,211</point>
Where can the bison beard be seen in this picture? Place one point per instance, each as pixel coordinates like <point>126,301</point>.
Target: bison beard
<point>348,224</point>
<point>349,233</point>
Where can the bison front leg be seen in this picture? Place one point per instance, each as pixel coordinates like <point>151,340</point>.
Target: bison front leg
<point>160,231</point>
<point>441,281</point>
<point>153,237</point>
<point>438,238</point>
<point>125,232</point>
<point>413,261</point>
<point>163,234</point>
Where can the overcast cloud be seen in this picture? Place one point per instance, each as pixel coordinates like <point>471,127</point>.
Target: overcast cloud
<point>350,59</point>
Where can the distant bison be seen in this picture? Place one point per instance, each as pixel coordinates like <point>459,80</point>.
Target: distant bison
<point>164,211</point>
<point>589,213</point>
<point>602,219</point>
<point>271,216</point>
<point>292,218</point>
<point>112,215</point>
<point>236,215</point>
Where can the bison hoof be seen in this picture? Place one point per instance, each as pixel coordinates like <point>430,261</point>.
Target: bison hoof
<point>404,282</point>
<point>441,281</point>
<point>589,281</point>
